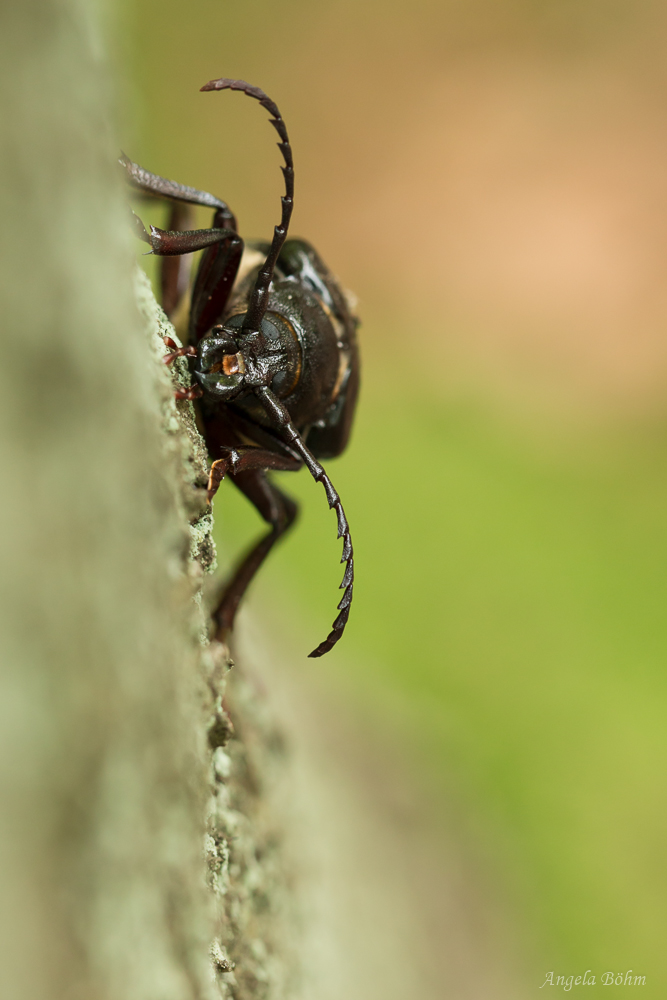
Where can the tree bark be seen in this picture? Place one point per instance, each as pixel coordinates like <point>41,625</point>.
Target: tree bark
<point>111,721</point>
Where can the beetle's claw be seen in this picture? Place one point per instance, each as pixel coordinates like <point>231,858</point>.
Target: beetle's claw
<point>177,352</point>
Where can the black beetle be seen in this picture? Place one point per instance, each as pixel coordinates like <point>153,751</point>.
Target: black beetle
<point>274,350</point>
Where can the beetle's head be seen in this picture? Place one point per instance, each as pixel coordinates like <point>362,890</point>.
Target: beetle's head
<point>232,360</point>
<point>221,365</point>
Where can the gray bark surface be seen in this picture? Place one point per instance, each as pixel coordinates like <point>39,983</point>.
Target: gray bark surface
<point>112,765</point>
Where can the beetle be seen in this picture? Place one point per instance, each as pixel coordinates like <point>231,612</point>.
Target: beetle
<point>273,350</point>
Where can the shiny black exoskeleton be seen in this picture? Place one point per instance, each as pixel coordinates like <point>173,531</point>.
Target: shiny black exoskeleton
<point>274,353</point>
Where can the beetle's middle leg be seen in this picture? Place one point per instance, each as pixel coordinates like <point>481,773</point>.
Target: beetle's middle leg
<point>276,509</point>
<point>248,459</point>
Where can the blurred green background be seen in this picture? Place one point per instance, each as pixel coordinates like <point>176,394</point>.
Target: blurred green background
<point>490,179</point>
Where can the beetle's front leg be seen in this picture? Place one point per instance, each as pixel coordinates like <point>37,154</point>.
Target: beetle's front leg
<point>177,352</point>
<point>193,391</point>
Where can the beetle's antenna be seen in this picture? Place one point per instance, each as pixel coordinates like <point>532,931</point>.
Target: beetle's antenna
<point>281,417</point>
<point>260,295</point>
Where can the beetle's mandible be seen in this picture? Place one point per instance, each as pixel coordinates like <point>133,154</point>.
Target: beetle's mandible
<point>273,349</point>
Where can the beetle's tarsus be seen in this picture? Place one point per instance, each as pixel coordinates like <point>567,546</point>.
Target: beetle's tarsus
<point>176,351</point>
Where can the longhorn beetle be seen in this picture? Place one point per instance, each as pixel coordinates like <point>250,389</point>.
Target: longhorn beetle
<point>274,354</point>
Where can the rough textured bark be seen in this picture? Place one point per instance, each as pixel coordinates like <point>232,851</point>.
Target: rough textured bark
<point>251,915</point>
<point>246,871</point>
<point>108,686</point>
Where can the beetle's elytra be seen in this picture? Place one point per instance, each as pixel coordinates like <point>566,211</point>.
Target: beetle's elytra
<point>273,350</point>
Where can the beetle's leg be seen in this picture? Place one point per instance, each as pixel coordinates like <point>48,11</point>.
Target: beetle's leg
<point>139,228</point>
<point>279,511</point>
<point>247,459</point>
<point>155,186</point>
<point>216,275</point>
<point>174,274</point>
<point>193,391</point>
<point>166,243</point>
<point>175,271</point>
<point>177,352</point>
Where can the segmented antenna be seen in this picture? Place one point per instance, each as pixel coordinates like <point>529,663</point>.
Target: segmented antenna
<point>258,301</point>
<point>347,583</point>
<point>280,415</point>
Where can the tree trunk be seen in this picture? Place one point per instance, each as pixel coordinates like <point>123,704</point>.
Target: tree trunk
<point>111,722</point>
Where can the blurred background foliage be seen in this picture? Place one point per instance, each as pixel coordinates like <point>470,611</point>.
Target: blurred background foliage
<point>491,180</point>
